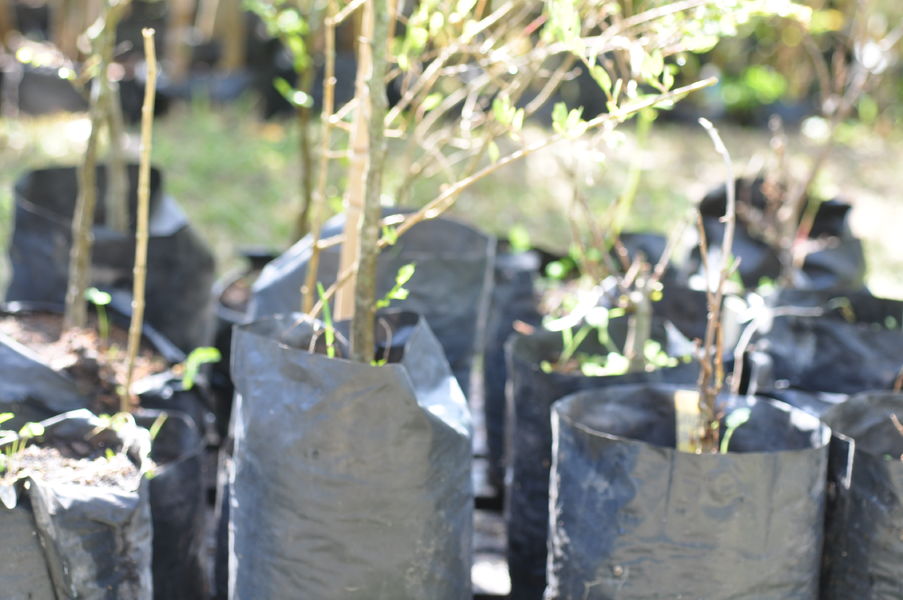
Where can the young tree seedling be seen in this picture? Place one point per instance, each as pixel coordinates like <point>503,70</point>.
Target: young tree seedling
<point>194,360</point>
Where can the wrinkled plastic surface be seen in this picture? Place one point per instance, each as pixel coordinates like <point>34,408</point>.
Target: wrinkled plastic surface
<point>513,299</point>
<point>96,541</point>
<point>177,504</point>
<point>864,536</point>
<point>531,395</point>
<point>450,285</point>
<point>839,264</point>
<point>179,269</point>
<point>633,518</point>
<point>826,354</point>
<point>350,481</point>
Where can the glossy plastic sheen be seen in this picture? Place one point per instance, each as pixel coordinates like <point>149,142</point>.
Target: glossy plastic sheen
<point>350,480</point>
<point>633,518</point>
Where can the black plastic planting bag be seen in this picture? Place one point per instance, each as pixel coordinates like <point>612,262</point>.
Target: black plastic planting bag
<point>631,517</point>
<point>449,288</point>
<point>95,540</point>
<point>350,480</point>
<point>532,392</point>
<point>864,536</point>
<point>177,504</point>
<point>822,353</point>
<point>179,268</point>
<point>837,262</point>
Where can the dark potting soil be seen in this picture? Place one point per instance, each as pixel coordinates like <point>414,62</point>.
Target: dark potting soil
<point>49,465</point>
<point>97,366</point>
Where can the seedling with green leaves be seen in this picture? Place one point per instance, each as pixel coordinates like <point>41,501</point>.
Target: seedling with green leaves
<point>15,442</point>
<point>192,364</point>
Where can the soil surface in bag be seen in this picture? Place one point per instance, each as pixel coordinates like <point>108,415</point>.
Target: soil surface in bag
<point>836,262</point>
<point>89,510</point>
<point>532,394</point>
<point>42,376</point>
<point>449,288</point>
<point>634,518</point>
<point>349,480</point>
<point>179,270</point>
<point>177,504</point>
<point>864,534</point>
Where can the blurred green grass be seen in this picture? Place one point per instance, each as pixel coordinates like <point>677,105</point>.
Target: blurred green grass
<point>238,179</point>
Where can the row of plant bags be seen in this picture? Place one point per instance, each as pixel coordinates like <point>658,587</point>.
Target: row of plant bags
<point>531,393</point>
<point>632,517</point>
<point>449,288</point>
<point>515,298</point>
<point>349,480</point>
<point>836,262</point>
<point>179,270</point>
<point>33,390</point>
<point>68,540</point>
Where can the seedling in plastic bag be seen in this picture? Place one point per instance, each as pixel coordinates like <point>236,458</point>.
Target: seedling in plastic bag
<point>731,423</point>
<point>192,364</point>
<point>100,299</point>
<point>15,446</point>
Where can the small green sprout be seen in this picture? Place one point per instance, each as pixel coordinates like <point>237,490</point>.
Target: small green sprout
<point>157,425</point>
<point>192,364</point>
<point>519,238</point>
<point>732,422</point>
<point>398,291</point>
<point>327,323</point>
<point>100,299</point>
<point>27,432</point>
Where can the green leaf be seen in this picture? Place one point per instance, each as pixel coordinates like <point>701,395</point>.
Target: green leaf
<point>31,430</point>
<point>431,101</point>
<point>734,420</point>
<point>600,75</point>
<point>519,238</point>
<point>327,322</point>
<point>502,109</point>
<point>6,416</point>
<point>193,362</point>
<point>559,117</point>
<point>97,297</point>
<point>294,97</point>
<point>390,234</point>
<point>493,150</point>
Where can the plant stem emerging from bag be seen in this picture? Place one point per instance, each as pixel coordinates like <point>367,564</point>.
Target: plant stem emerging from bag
<point>141,233</point>
<point>711,375</point>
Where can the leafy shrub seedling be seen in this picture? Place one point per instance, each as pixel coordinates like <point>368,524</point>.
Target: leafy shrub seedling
<point>27,432</point>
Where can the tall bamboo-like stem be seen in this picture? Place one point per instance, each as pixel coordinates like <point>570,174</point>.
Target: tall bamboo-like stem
<point>712,370</point>
<point>319,199</point>
<point>302,223</point>
<point>141,232</point>
<point>357,171</point>
<point>75,315</point>
<point>362,342</point>
<point>6,21</point>
<point>115,200</point>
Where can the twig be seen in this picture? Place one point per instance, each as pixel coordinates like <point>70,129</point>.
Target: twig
<point>898,382</point>
<point>316,217</point>
<point>712,366</point>
<point>141,233</point>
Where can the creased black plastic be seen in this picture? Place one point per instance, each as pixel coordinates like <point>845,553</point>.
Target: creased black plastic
<point>814,353</point>
<point>633,518</point>
<point>96,541</point>
<point>531,393</point>
<point>179,270</point>
<point>449,288</point>
<point>864,536</point>
<point>839,263</point>
<point>177,504</point>
<point>350,481</point>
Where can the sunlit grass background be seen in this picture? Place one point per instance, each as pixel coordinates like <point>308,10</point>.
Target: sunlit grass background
<point>238,177</point>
